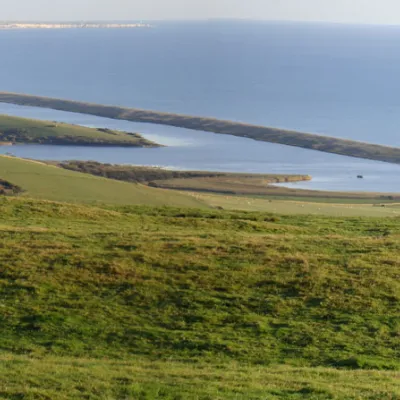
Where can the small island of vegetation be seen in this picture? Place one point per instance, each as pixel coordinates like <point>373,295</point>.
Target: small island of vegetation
<point>15,130</point>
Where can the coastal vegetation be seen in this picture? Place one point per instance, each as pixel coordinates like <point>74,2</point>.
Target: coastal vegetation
<point>15,130</point>
<point>261,133</point>
<point>143,302</point>
<point>221,182</point>
<point>255,185</point>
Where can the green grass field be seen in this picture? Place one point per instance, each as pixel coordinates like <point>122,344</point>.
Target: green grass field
<point>337,208</point>
<point>22,130</point>
<point>60,378</point>
<point>134,302</point>
<point>51,183</point>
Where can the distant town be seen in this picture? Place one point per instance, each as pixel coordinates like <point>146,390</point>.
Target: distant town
<point>75,25</point>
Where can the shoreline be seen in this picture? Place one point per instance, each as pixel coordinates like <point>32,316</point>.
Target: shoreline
<point>223,183</point>
<point>309,141</point>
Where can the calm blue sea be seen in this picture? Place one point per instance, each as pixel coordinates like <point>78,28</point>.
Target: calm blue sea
<point>338,80</point>
<point>335,79</point>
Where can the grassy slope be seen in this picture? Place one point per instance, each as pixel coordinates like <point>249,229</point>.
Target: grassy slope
<point>298,139</point>
<point>22,130</point>
<point>217,298</point>
<point>60,378</point>
<point>48,182</point>
<point>338,208</point>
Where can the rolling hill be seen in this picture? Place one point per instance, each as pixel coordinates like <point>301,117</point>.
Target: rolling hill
<point>42,181</point>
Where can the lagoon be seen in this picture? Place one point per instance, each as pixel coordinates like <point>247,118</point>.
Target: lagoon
<point>191,150</point>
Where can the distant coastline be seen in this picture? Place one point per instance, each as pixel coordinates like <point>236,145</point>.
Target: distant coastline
<point>75,25</point>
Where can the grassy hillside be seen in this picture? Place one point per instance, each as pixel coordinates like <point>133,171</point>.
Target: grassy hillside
<point>21,130</point>
<point>43,181</point>
<point>137,302</point>
<point>262,133</point>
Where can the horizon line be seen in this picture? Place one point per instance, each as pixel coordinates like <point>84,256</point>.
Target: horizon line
<point>194,20</point>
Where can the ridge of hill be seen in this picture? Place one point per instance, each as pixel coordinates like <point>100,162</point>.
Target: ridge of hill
<point>42,181</point>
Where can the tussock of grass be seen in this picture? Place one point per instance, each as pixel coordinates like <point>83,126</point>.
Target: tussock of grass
<point>7,188</point>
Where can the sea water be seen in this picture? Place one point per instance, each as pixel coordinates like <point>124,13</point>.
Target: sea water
<point>337,80</point>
